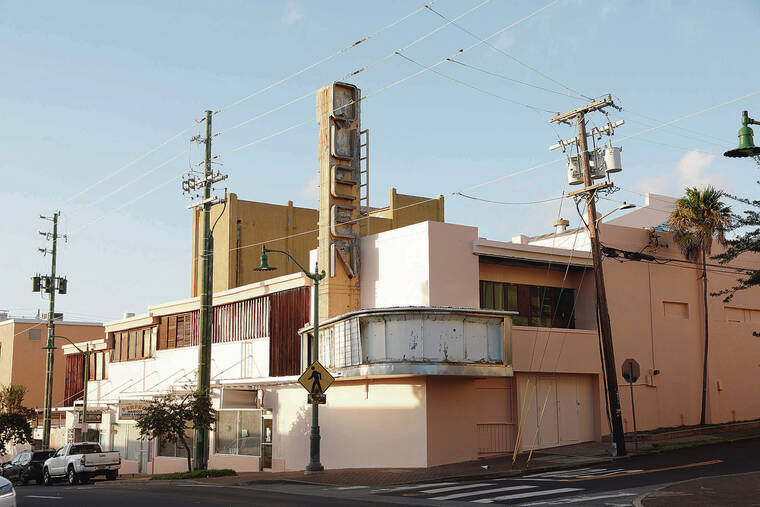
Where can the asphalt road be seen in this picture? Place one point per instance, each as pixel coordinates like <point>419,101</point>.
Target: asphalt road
<point>611,484</point>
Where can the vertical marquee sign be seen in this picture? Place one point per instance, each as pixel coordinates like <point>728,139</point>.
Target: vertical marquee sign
<point>338,114</point>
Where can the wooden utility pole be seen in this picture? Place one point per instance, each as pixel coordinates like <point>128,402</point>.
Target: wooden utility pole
<point>50,284</point>
<point>204,321</point>
<point>192,184</point>
<point>579,115</point>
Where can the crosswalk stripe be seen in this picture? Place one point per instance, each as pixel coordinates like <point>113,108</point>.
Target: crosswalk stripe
<point>415,486</point>
<point>526,495</point>
<point>454,488</point>
<point>577,499</point>
<point>480,492</point>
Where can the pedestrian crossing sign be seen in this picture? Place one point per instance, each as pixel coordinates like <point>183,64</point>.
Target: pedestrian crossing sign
<point>316,379</point>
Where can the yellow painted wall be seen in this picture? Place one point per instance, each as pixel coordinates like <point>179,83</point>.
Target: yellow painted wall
<point>246,223</point>
<point>234,259</point>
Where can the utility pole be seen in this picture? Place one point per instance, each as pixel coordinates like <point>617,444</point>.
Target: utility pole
<point>589,190</point>
<point>192,184</point>
<point>49,284</point>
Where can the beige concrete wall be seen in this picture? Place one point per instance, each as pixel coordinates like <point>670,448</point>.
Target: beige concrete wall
<point>371,423</point>
<point>453,267</point>
<point>667,334</point>
<point>463,412</point>
<point>25,361</point>
<point>246,223</point>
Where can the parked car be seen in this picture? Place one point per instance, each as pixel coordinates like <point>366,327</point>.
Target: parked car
<point>26,466</point>
<point>80,462</point>
<point>7,493</point>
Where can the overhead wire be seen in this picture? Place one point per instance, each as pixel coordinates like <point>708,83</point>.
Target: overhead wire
<point>323,60</point>
<point>508,55</point>
<point>127,166</point>
<point>507,78</point>
<point>415,74</point>
<point>481,90</point>
<point>551,199</point>
<point>354,72</point>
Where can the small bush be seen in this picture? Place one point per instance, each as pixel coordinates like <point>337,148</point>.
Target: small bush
<point>194,474</point>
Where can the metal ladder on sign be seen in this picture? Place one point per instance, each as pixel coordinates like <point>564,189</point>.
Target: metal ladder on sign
<point>364,177</point>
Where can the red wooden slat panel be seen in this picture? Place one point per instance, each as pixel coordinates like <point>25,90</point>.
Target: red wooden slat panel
<point>74,379</point>
<point>289,313</point>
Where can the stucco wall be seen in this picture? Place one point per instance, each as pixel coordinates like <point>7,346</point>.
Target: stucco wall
<point>395,268</point>
<point>25,361</point>
<point>372,423</point>
<point>425,264</point>
<point>456,406</point>
<point>178,365</point>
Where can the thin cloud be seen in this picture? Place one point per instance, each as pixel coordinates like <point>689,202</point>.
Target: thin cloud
<point>690,171</point>
<point>293,13</point>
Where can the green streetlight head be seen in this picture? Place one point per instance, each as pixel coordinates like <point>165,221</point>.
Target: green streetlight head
<point>264,266</point>
<point>747,146</point>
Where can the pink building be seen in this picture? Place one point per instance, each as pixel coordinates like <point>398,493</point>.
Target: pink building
<point>459,340</point>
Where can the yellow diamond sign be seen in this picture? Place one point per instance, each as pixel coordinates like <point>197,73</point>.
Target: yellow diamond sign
<point>316,379</point>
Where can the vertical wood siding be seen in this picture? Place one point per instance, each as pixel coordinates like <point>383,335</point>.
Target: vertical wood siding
<point>241,320</point>
<point>74,379</point>
<point>289,313</point>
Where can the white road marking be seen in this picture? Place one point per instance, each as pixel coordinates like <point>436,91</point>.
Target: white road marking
<point>480,492</point>
<point>416,486</point>
<point>454,488</point>
<point>45,497</point>
<point>352,487</point>
<point>526,495</point>
<point>577,499</point>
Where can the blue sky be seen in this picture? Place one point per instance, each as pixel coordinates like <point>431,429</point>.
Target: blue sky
<point>88,87</point>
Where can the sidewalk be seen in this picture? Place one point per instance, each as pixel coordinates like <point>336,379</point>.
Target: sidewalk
<point>726,490</point>
<point>555,458</point>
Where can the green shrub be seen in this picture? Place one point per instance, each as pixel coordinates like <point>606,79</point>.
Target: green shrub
<point>194,474</point>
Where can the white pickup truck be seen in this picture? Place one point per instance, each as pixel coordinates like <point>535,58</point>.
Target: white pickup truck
<point>80,462</point>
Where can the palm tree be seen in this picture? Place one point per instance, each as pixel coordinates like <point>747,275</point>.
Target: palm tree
<point>699,217</point>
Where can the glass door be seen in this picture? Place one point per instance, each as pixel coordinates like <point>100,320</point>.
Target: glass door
<point>266,440</point>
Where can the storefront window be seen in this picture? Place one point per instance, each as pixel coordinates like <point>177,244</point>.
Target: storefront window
<point>126,439</point>
<point>238,432</point>
<point>176,450</point>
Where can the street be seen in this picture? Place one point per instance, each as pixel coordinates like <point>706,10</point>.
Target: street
<point>617,483</point>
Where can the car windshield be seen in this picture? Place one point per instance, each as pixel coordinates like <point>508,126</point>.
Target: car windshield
<point>85,449</point>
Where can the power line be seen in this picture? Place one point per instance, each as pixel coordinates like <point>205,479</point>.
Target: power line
<point>127,166</point>
<point>410,76</point>
<point>354,72</point>
<point>691,115</point>
<point>125,185</point>
<point>507,78</point>
<point>323,60</point>
<point>468,85</point>
<point>499,50</point>
<point>141,196</point>
<point>509,203</point>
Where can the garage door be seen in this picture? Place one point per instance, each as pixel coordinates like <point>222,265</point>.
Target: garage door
<point>568,416</point>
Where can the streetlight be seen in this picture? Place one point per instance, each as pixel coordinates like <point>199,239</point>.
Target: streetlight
<point>747,146</point>
<point>623,206</point>
<point>314,459</point>
<point>86,355</point>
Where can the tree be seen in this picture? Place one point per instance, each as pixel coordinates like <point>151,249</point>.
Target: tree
<point>14,416</point>
<point>169,417</point>
<point>748,242</point>
<point>699,217</point>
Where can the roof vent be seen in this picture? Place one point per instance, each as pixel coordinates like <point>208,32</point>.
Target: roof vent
<point>560,225</point>
<point>128,315</point>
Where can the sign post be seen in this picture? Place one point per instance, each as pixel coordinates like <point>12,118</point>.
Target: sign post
<point>631,372</point>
